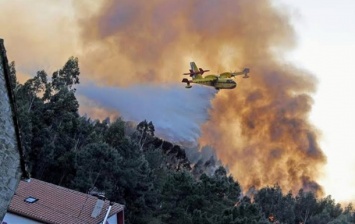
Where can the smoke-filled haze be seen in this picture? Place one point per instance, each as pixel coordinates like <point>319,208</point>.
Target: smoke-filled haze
<point>260,129</point>
<point>178,115</point>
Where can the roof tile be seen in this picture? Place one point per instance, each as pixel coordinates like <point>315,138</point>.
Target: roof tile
<point>57,204</point>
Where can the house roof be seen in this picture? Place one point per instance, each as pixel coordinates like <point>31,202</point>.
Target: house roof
<point>57,204</point>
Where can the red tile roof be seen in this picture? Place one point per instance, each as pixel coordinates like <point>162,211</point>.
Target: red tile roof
<point>57,204</point>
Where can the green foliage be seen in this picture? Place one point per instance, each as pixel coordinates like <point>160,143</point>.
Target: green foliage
<point>244,213</point>
<point>67,76</point>
<point>306,206</point>
<point>97,165</point>
<point>326,211</point>
<point>115,135</point>
<point>145,130</point>
<point>272,201</point>
<point>206,200</point>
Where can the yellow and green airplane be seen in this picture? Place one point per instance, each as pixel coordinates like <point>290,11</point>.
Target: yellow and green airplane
<point>221,81</point>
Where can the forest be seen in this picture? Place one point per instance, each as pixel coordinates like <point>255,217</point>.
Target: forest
<point>153,178</point>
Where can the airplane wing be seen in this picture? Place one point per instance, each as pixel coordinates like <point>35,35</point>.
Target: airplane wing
<point>225,75</point>
<point>233,74</point>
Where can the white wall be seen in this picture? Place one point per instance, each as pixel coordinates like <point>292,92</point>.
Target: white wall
<point>11,218</point>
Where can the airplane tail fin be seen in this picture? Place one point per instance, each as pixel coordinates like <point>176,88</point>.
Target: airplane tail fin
<point>195,72</point>
<point>193,67</point>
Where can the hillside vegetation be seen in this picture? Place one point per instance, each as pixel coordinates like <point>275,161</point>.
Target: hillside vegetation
<point>153,178</point>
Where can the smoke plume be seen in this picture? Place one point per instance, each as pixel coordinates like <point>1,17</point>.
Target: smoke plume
<point>260,129</point>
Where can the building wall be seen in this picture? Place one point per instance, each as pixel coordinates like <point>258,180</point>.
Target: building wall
<point>11,218</point>
<point>112,220</point>
<point>120,216</point>
<point>9,154</point>
<point>116,219</point>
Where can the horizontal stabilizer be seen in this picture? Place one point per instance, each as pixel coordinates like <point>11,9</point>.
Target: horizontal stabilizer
<point>194,71</point>
<point>203,71</point>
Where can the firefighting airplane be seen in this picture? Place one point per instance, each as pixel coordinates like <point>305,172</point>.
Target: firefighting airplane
<point>223,81</point>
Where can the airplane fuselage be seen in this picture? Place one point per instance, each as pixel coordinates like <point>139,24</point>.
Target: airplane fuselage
<point>221,83</point>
